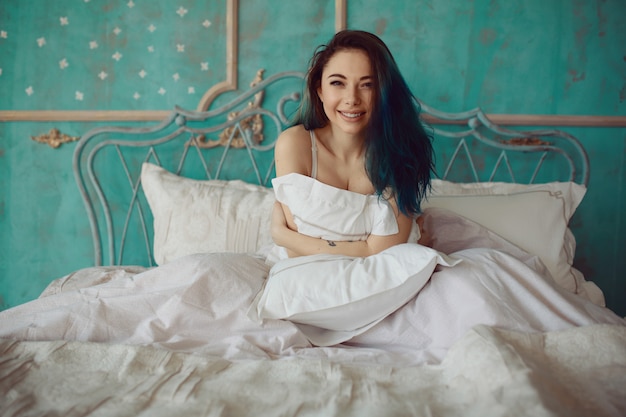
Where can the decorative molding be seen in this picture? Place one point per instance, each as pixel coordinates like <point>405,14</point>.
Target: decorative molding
<point>82,115</point>
<point>232,52</point>
<point>341,15</point>
<point>54,138</point>
<point>253,123</point>
<point>543,120</point>
<point>232,20</point>
<point>156,115</point>
<point>557,120</point>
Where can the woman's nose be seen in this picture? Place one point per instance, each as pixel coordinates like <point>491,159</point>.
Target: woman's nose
<point>352,97</point>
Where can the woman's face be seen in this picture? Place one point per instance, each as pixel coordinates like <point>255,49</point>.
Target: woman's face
<point>347,89</point>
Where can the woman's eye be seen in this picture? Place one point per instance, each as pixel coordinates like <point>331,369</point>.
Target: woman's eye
<point>336,82</point>
<point>367,85</point>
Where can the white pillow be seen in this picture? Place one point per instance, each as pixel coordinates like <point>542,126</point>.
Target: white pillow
<point>192,216</point>
<point>345,295</point>
<point>331,213</point>
<point>534,217</point>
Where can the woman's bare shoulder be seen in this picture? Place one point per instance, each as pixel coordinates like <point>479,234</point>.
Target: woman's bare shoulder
<point>292,152</point>
<point>293,136</point>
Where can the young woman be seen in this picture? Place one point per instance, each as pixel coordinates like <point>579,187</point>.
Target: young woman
<point>357,131</point>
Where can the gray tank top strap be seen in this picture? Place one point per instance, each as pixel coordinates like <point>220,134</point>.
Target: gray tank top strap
<point>313,155</point>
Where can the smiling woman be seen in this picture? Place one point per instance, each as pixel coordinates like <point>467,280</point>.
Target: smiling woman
<point>346,92</point>
<point>358,129</point>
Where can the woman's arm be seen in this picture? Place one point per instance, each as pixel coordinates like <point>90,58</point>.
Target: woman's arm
<point>298,244</point>
<point>292,153</point>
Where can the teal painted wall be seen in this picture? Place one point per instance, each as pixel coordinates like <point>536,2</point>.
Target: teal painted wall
<point>513,56</point>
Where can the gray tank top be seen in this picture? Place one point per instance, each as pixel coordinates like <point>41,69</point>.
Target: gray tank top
<point>313,155</point>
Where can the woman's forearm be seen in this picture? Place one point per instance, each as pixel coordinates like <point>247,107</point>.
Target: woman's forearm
<point>298,244</point>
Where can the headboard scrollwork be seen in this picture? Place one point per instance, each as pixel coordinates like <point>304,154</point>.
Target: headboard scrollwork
<point>107,160</point>
<point>466,132</point>
<point>253,123</point>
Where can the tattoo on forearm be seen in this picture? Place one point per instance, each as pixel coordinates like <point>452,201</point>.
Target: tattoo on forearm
<point>331,243</point>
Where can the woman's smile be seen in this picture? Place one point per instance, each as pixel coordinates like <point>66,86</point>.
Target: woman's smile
<point>346,90</point>
<point>351,115</point>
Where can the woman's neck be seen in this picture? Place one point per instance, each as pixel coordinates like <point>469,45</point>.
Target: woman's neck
<point>343,146</point>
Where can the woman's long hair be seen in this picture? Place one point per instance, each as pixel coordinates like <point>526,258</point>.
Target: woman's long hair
<point>399,157</point>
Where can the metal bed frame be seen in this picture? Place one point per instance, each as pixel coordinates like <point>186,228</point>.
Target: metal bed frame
<point>184,144</point>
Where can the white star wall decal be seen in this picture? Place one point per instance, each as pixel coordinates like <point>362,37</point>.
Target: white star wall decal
<point>118,41</point>
<point>4,34</point>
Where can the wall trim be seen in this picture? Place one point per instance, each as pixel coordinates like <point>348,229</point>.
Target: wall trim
<point>82,115</point>
<point>341,15</point>
<point>544,120</point>
<point>232,56</point>
<point>157,115</point>
<point>232,21</point>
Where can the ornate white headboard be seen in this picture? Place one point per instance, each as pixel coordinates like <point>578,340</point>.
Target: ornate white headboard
<point>236,139</point>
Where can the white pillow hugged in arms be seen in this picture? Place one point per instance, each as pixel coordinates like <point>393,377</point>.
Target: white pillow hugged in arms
<point>335,297</point>
<point>195,216</point>
<point>327,212</point>
<point>330,213</point>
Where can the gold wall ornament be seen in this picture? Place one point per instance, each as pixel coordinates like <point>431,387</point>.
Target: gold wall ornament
<point>54,138</point>
<point>254,123</point>
<point>526,141</point>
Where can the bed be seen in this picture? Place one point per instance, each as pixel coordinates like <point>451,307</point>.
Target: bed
<point>174,318</point>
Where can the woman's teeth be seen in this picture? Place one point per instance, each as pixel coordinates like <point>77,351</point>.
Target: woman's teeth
<point>351,115</point>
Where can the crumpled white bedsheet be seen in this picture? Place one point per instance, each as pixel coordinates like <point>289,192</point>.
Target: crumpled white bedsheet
<point>493,335</point>
<point>488,372</point>
<point>200,303</point>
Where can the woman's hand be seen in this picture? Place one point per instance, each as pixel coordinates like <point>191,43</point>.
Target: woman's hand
<point>425,238</point>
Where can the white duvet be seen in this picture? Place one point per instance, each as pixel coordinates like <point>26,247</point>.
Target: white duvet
<point>492,335</point>
<point>200,304</point>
